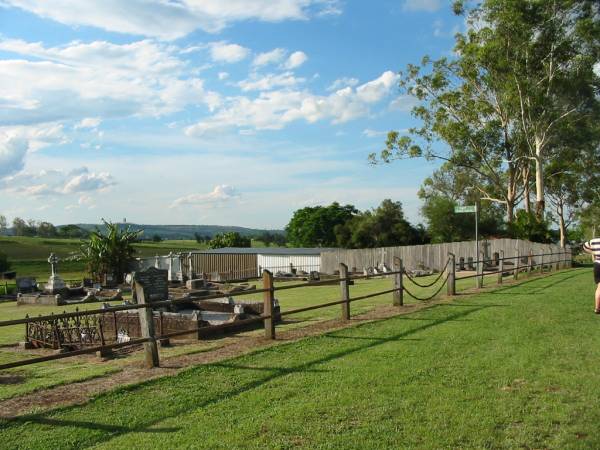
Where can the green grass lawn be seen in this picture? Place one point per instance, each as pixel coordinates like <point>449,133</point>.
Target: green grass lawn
<point>516,367</point>
<point>67,370</point>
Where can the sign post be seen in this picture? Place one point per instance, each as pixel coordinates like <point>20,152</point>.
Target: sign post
<point>471,209</point>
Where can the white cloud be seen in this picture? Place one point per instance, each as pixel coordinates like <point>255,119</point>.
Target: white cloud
<point>58,182</point>
<point>368,132</point>
<point>295,60</point>
<point>274,56</point>
<point>228,53</point>
<point>219,195</point>
<point>597,68</point>
<point>274,109</point>
<point>95,80</point>
<point>341,83</point>
<point>172,19</point>
<point>12,155</point>
<point>88,122</point>
<point>86,181</point>
<point>422,5</point>
<point>270,81</point>
<point>223,76</point>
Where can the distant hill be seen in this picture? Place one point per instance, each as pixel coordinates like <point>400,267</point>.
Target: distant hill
<point>183,231</point>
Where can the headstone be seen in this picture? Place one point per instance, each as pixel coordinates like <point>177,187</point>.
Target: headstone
<point>26,285</point>
<point>195,284</point>
<point>155,283</point>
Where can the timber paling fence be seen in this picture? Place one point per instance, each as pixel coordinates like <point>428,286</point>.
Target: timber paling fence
<point>501,266</point>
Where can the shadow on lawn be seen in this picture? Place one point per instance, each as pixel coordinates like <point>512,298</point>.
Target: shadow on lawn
<point>533,290</point>
<point>277,372</point>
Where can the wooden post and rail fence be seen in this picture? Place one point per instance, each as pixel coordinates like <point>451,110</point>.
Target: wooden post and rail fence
<point>401,280</point>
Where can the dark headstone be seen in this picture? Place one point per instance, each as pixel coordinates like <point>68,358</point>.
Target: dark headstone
<point>461,263</point>
<point>155,283</point>
<point>26,285</point>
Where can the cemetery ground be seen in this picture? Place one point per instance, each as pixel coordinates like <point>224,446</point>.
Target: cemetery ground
<point>512,366</point>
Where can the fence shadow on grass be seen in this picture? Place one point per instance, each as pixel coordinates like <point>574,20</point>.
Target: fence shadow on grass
<point>277,372</point>
<point>513,290</point>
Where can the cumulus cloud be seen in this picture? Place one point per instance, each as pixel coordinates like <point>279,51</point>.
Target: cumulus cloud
<point>223,75</point>
<point>88,122</point>
<point>58,182</point>
<point>295,60</point>
<point>270,81</point>
<point>172,19</point>
<point>341,83</point>
<point>422,5</point>
<point>273,57</point>
<point>370,133</point>
<point>12,155</point>
<point>228,53</point>
<point>273,110</point>
<point>220,195</point>
<point>87,181</point>
<point>95,80</point>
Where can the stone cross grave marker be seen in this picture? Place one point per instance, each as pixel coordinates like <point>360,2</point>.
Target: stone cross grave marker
<point>154,282</point>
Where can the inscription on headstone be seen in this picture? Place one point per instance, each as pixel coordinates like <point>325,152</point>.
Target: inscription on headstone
<point>155,283</point>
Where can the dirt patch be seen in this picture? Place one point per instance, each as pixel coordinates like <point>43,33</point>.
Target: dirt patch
<point>11,379</point>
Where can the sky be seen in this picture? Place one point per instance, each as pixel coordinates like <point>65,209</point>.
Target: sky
<point>234,112</point>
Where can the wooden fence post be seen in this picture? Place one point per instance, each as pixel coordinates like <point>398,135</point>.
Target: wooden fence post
<point>500,266</point>
<point>542,264</point>
<point>269,300</point>
<point>345,291</point>
<point>479,276</point>
<point>517,264</point>
<point>557,261</point>
<point>451,274</point>
<point>147,329</point>
<point>398,297</point>
<point>530,262</point>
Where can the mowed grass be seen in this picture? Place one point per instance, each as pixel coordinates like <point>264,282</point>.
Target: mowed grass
<point>34,377</point>
<point>513,368</point>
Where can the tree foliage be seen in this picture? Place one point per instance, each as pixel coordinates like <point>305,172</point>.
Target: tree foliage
<point>314,226</point>
<point>4,262</point>
<point>109,253</point>
<point>230,239</point>
<point>519,94</point>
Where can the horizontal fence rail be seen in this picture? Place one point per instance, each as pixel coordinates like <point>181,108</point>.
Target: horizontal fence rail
<point>400,277</point>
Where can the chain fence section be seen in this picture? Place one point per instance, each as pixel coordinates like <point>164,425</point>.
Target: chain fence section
<point>426,299</point>
<point>412,279</point>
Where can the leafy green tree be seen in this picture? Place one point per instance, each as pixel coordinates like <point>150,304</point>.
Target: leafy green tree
<point>3,224</point>
<point>4,263</point>
<point>266,238</point>
<point>528,226</point>
<point>109,253</point>
<point>46,229</point>
<point>382,227</point>
<point>157,238</point>
<point>72,231</point>
<point>230,239</point>
<point>314,226</point>
<point>522,71</point>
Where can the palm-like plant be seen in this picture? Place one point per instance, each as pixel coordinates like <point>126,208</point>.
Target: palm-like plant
<point>109,253</point>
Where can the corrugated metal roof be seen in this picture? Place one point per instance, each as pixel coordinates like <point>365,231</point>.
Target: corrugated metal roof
<point>268,250</point>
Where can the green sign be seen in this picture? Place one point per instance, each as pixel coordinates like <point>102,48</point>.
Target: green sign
<point>465,209</point>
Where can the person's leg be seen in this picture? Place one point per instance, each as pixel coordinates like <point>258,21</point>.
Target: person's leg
<point>598,298</point>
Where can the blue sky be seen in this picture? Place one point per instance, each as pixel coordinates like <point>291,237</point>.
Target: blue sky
<point>230,112</point>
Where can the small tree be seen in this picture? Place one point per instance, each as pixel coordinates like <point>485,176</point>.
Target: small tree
<point>109,253</point>
<point>4,263</point>
<point>231,239</point>
<point>157,238</point>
